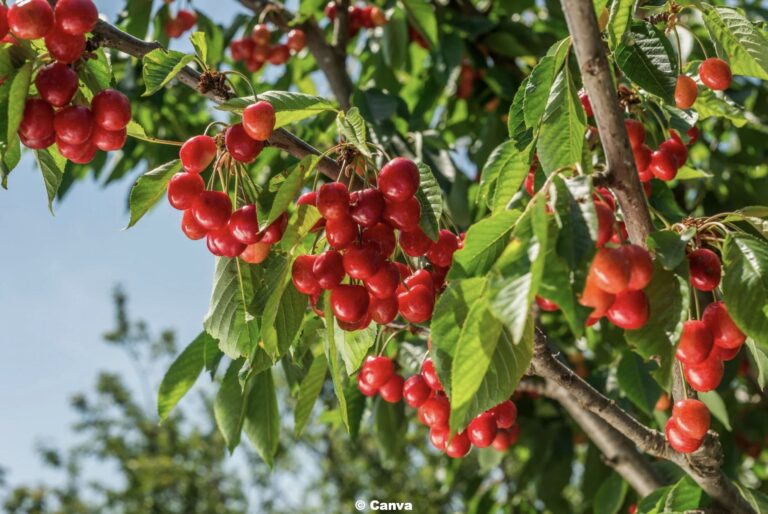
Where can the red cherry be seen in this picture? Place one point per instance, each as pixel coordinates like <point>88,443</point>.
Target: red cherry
<point>57,84</point>
<point>279,54</point>
<point>330,10</point>
<point>73,124</point>
<point>692,418</point>
<point>546,305</point>
<point>435,411</point>
<point>430,375</point>
<point>459,446</point>
<point>695,343</point>
<point>707,375</point>
<point>211,209</point>
<point>64,47</point>
<point>191,227</point>
<point>108,140</point>
<point>403,215</point>
<point>635,131</point>
<point>686,92</point>
<point>438,436</point>
<point>640,266</point>
<point>296,40</point>
<point>441,252</point>
<point>30,19</point>
<point>384,282</point>
<point>174,28</point>
<point>111,109</point>
<point>76,17</point>
<point>3,21</point>
<point>416,304</point>
<point>38,144</point>
<point>377,371</point>
<point>241,48</point>
<point>259,120</point>
<point>361,324</point>
<point>530,181</point>
<point>383,235</point>
<point>729,353</point>
<point>183,189</point>
<point>482,430</point>
<point>197,153</point>
<point>382,310</point>
<point>37,121</point>
<point>605,223</point>
<point>593,296</point>
<point>362,261</point>
<point>392,391</point>
<point>329,269</point>
<point>705,269</point>
<point>274,232</point>
<point>724,331</point>
<point>257,253</point>
<point>505,414</point>
<point>438,275</point>
<point>260,34</point>
<point>677,149</point>
<point>187,19</point>
<point>349,302</point>
<point>365,388</point>
<point>630,310</point>
<point>240,146</point>
<point>586,104</point>
<point>663,165</point>
<point>399,179</point>
<point>714,73</point>
<point>308,198</point>
<point>678,440</point>
<point>422,277</point>
<point>302,276</point>
<point>610,270</point>
<point>693,135</point>
<point>333,200</point>
<point>340,232</point>
<point>79,154</point>
<point>416,391</point>
<point>244,225</point>
<point>221,243</point>
<point>643,156</point>
<point>367,207</point>
<point>502,441</point>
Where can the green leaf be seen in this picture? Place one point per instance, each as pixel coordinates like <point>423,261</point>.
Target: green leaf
<point>709,105</point>
<point>17,97</point>
<point>200,45</point>
<point>183,373</point>
<point>518,131</point>
<point>575,212</point>
<point>353,346</point>
<point>618,21</point>
<point>262,418</point>
<point>635,381</point>
<point>717,407</point>
<point>745,44</point>
<point>745,284</point>
<point>483,244</point>
<point>561,137</point>
<point>646,58</point>
<point>352,126</point>
<point>759,360</point>
<point>149,189</point>
<point>290,188</point>
<point>228,406</point>
<point>688,173</point>
<point>610,496</point>
<point>390,426</point>
<point>422,17</point>
<point>52,167</point>
<point>308,392</point>
<point>430,198</point>
<point>757,499</point>
<point>395,40</point>
<point>684,496</point>
<point>540,82</point>
<point>97,73</point>
<point>332,354</point>
<point>669,246</point>
<point>503,156</point>
<point>160,66</point>
<point>290,107</point>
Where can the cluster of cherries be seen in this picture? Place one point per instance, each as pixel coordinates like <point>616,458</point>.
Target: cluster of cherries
<point>705,344</point>
<point>208,213</point>
<point>688,425</point>
<point>177,25</point>
<point>495,427</point>
<point>714,73</point>
<point>360,230</point>
<point>365,17</point>
<point>257,48</point>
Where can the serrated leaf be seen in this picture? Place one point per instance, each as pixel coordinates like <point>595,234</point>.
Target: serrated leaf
<point>332,354</point>
<point>483,244</point>
<point>759,360</point>
<point>745,284</point>
<point>199,43</point>
<point>97,73</point>
<point>183,373</point>
<point>669,246</point>
<point>354,345</point>
<point>308,392</point>
<point>709,105</point>
<point>646,58</point>
<point>540,82</point>
<point>52,167</point>
<point>618,21</point>
<point>518,131</point>
<point>17,97</point>
<point>635,381</point>
<point>149,189</point>
<point>430,198</point>
<point>684,496</point>
<point>352,126</point>
<point>757,499</point>
<point>745,44</point>
<point>561,136</point>
<point>228,406</point>
<point>261,421</point>
<point>290,107</point>
<point>503,174</point>
<point>422,17</point>
<point>160,66</point>
<point>577,219</point>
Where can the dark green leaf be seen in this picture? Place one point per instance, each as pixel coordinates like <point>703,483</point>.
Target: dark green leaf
<point>430,198</point>
<point>669,246</point>
<point>262,419</point>
<point>149,189</point>
<point>610,496</point>
<point>646,58</point>
<point>745,284</point>
<point>228,406</point>
<point>759,360</point>
<point>422,16</point>
<point>561,137</point>
<point>308,392</point>
<point>635,381</point>
<point>391,426</point>
<point>338,375</point>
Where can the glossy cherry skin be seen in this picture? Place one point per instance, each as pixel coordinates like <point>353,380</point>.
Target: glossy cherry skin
<point>377,371</point>
<point>693,135</point>
<point>111,109</point>
<point>692,418</point>
<point>108,140</point>
<point>57,84</point>
<point>302,275</point>
<point>392,391</point>
<point>384,282</point>
<point>329,269</point>
<point>610,270</point>
<point>438,436</point>
<point>73,124</point>
<point>419,277</point>
<point>64,47</point>
<point>678,440</point>
<point>349,302</point>
<point>586,104</point>
<point>640,266</point>
<point>296,40</point>
<point>240,49</point>
<point>635,131</point>
<point>367,207</point>
<point>30,19</point>
<point>677,149</point>
<point>728,354</point>
<point>244,225</point>
<point>212,209</point>
<point>222,243</point>
<point>416,304</point>
<point>240,146</point>
<point>183,189</point>
<point>403,215</point>
<point>259,120</point>
<point>279,54</point>
<point>79,154</point>
<point>686,92</point>
<point>630,310</point>
<point>38,144</point>
<point>362,261</point>
<point>274,232</point>
<point>502,441</point>
<point>546,305</point>
<point>605,223</point>
<point>441,252</point>
<point>416,391</point>
<point>435,411</point>
<point>383,235</point>
<point>76,17</point>
<point>399,179</point>
<point>256,253</point>
<point>482,430</point>
<point>695,343</point>
<point>705,269</point>
<point>663,165</point>
<point>187,19</point>
<point>459,446</point>
<point>333,200</point>
<point>260,34</point>
<point>341,232</point>
<point>37,121</point>
<point>382,310</point>
<point>724,331</point>
<point>429,375</point>
<point>197,153</point>
<point>707,375</point>
<point>715,74</point>
<point>643,155</point>
<point>365,388</point>
<point>3,21</point>
<point>191,227</point>
<point>505,414</point>
<point>593,296</point>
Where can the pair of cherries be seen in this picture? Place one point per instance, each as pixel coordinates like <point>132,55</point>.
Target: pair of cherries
<point>367,17</point>
<point>177,25</point>
<point>257,48</point>
<point>664,162</point>
<point>714,73</point>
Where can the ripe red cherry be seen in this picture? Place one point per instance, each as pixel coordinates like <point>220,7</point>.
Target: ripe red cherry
<point>403,215</point>
<point>392,391</point>
<point>482,430</point>
<point>399,179</point>
<point>643,156</point>
<point>212,209</point>
<point>79,154</point>
<point>349,302</point>
<point>677,149</point>
<point>663,165</point>
<point>705,269</point>
<point>605,223</point>
<point>221,243</point>
<point>329,269</point>
<point>108,140</point>
<point>333,200</point>
<point>73,124</point>
<point>715,74</point>
<point>635,131</point>
<point>302,276</point>
<point>459,446</point>
<point>415,243</point>
<point>377,371</point>
<point>365,388</point>
<point>502,441</point>
<point>640,266</point>
<point>377,16</point>
<point>279,54</point>
<point>438,436</point>
<point>259,120</point>
<point>3,21</point>
<point>584,99</point>
<point>695,343</point>
<point>173,28</point>
<point>362,261</point>
<point>505,414</point>
<point>38,144</point>
<point>416,304</point>
<point>678,440</point>
<point>244,225</point>
<point>383,235</point>
<point>430,375</point>
<point>422,277</point>
<point>296,40</point>
<point>241,49</point>
<point>384,282</point>
<point>367,207</point>
<point>256,253</point>
<point>330,10</point>
<point>610,270</point>
<point>707,375</point>
<point>112,109</point>
<point>274,232</point>
<point>76,17</point>
<point>184,189</point>
<point>724,331</point>
<point>546,305</point>
<point>630,310</point>
<point>187,19</point>
<point>64,47</point>
<point>416,391</point>
<point>30,19</point>
<point>729,353</point>
<point>435,411</point>
<point>692,418</point>
<point>441,252</point>
<point>382,310</point>
<point>57,84</point>
<point>197,153</point>
<point>686,92</point>
<point>593,296</point>
<point>37,121</point>
<point>261,34</point>
<point>240,146</point>
<point>693,135</point>
<point>191,227</point>
<point>340,232</point>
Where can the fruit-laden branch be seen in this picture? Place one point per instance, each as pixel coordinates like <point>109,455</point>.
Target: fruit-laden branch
<point>621,175</point>
<point>107,35</point>
<point>703,465</point>
<point>331,59</point>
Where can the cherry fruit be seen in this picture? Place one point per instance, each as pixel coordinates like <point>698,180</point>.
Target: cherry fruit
<point>30,19</point>
<point>76,17</point>
<point>57,84</point>
<point>724,331</point>
<point>392,391</point>
<point>108,140</point>
<point>505,414</point>
<point>459,446</point>
<point>349,302</point>
<point>610,270</point>
<point>715,74</point>
<point>635,131</point>
<point>640,266</point>
<point>240,146</point>
<point>382,310</point>
<point>705,269</point>
<point>441,252</point>
<point>211,209</point>
<point>111,109</point>
<point>416,304</point>
<point>435,411</point>
<point>222,243</point>
<point>333,201</point>
<point>686,92</point>
<point>399,179</point>
<point>256,253</point>
<point>303,277</point>
<point>377,371</point>
<point>329,269</point>
<point>37,120</point>
<point>64,47</point>
<point>73,124</point>
<point>191,227</point>
<point>678,440</point>
<point>430,375</point>
<point>416,391</point>
<point>184,189</point>
<point>692,418</point>
<point>482,430</point>
<point>244,225</point>
<point>403,215</point>
<point>197,153</point>
<point>695,343</point>
<point>707,375</point>
<point>367,207</point>
<point>259,120</point>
